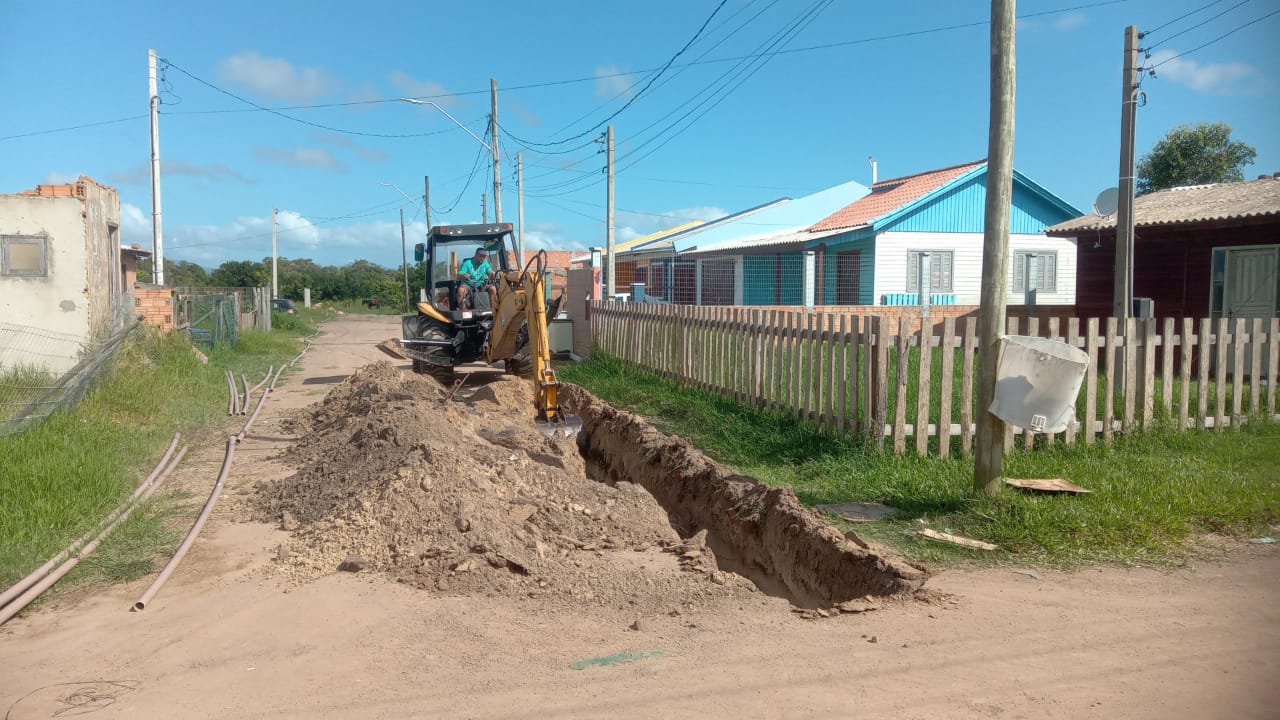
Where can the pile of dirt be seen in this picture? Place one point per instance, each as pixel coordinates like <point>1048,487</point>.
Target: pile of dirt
<point>466,496</point>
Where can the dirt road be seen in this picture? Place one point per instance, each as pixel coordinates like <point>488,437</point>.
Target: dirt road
<point>227,638</point>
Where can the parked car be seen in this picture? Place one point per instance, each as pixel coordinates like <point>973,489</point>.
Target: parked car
<point>284,305</point>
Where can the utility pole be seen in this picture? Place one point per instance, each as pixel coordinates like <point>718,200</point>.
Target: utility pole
<point>493,147</point>
<point>426,199</point>
<point>1124,210</point>
<point>609,261</point>
<point>404,255</point>
<point>484,208</point>
<point>157,230</point>
<point>989,457</point>
<point>275,284</point>
<point>520,208</point>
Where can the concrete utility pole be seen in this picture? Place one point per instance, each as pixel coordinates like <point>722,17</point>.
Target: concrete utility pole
<point>426,199</point>
<point>484,208</point>
<point>404,255</point>
<point>157,230</point>
<point>493,147</point>
<point>611,288</point>
<point>275,283</point>
<point>1124,210</point>
<point>520,208</point>
<point>989,456</point>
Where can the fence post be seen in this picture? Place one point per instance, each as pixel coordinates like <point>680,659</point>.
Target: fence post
<point>966,386</point>
<point>1255,368</point>
<point>1148,371</point>
<point>1073,339</point>
<point>1202,374</point>
<point>880,375</point>
<point>948,352</point>
<point>1114,380</point>
<point>1273,358</point>
<point>1237,371</point>
<point>1220,374</point>
<point>900,388</point>
<point>923,387</point>
<point>1091,380</point>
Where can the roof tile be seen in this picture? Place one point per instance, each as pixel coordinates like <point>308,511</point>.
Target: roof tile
<point>889,195</point>
<point>1188,205</point>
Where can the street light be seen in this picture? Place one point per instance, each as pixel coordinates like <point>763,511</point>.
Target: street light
<point>497,184</point>
<point>404,253</point>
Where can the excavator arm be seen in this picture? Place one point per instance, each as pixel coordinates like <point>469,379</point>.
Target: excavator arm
<point>522,303</point>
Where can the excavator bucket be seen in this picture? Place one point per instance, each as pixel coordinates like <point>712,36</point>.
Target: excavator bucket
<point>392,348</point>
<point>569,425</point>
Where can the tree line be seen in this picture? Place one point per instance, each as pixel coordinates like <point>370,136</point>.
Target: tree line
<point>359,280</point>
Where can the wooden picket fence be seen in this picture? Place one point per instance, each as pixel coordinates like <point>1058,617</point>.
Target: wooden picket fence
<point>866,375</point>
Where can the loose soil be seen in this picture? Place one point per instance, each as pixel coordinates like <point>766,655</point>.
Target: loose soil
<point>231,636</point>
<point>464,495</point>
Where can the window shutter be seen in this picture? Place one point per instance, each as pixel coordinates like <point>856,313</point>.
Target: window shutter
<point>1049,273</point>
<point>1019,279</point>
<point>913,272</point>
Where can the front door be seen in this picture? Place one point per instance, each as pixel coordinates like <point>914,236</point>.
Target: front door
<point>1251,282</point>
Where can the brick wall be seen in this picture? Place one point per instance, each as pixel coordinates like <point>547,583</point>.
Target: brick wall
<point>155,304</point>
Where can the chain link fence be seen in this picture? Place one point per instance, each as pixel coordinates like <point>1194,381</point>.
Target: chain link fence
<point>42,371</point>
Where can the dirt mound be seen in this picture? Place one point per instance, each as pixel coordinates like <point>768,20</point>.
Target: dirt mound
<point>466,496</point>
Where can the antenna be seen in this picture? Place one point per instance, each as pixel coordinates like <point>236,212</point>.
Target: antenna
<point>1107,201</point>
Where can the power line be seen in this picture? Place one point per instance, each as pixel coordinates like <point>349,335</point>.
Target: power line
<point>74,127</point>
<point>635,97</point>
<point>277,113</point>
<point>475,168</point>
<point>1197,25</point>
<point>1164,25</point>
<point>1220,37</point>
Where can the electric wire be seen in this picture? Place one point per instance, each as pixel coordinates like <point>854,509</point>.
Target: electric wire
<point>1211,42</point>
<point>634,97</point>
<point>1183,16</point>
<point>366,212</point>
<point>1197,25</point>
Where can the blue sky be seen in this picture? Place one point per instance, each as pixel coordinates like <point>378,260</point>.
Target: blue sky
<point>704,139</point>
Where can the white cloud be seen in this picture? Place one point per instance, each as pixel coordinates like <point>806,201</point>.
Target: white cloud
<point>1233,78</point>
<point>300,157</point>
<point>276,78</point>
<point>249,238</point>
<point>1069,21</point>
<point>643,223</point>
<point>527,116</point>
<point>345,142</point>
<point>141,173</point>
<point>425,89</point>
<point>59,178</point>
<point>609,83</point>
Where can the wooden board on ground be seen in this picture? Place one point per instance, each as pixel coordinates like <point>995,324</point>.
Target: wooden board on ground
<point>860,511</point>
<point>956,540</point>
<point>1046,485</point>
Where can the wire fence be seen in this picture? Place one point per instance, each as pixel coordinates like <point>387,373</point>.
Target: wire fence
<point>42,371</point>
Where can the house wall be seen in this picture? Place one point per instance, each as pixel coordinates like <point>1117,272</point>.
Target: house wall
<point>56,302</point>
<point>1171,266</point>
<point>963,209</point>
<point>103,280</point>
<point>155,304</point>
<point>892,248</point>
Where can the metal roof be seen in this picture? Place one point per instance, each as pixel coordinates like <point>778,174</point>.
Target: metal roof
<point>1187,206</point>
<point>772,242</point>
<point>619,247</point>
<point>788,217</point>
<point>663,244</point>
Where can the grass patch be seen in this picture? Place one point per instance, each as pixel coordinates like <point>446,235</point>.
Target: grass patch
<point>1153,492</point>
<point>62,475</point>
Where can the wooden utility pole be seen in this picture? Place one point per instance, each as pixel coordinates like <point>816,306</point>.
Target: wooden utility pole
<point>493,147</point>
<point>1124,210</point>
<point>157,228</point>
<point>520,208</point>
<point>426,199</point>
<point>989,455</point>
<point>275,281</point>
<point>609,264</point>
<point>484,208</point>
<point>404,255</point>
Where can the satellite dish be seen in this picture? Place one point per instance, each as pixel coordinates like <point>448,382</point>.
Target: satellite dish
<point>1107,201</point>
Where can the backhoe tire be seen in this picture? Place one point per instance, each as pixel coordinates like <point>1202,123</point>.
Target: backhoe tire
<point>442,373</point>
<point>521,364</point>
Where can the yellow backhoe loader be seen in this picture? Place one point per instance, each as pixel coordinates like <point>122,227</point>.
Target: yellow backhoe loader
<point>460,323</point>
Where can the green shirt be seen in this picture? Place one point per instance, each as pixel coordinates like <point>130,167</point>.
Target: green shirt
<point>479,273</point>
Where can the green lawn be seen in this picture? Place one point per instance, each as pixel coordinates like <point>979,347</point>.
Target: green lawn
<point>62,475</point>
<point>1154,493</point>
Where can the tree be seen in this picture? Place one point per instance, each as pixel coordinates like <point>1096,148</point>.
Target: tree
<point>240,273</point>
<point>181,273</point>
<point>1194,155</point>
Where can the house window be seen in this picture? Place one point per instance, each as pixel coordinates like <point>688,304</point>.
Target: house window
<point>939,270</point>
<point>1045,271</point>
<point>24,256</point>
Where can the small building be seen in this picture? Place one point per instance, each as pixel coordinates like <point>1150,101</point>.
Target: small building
<point>869,252</point>
<point>62,268</point>
<point>1199,251</point>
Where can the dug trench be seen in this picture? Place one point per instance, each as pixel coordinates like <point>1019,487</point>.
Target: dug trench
<point>465,496</point>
